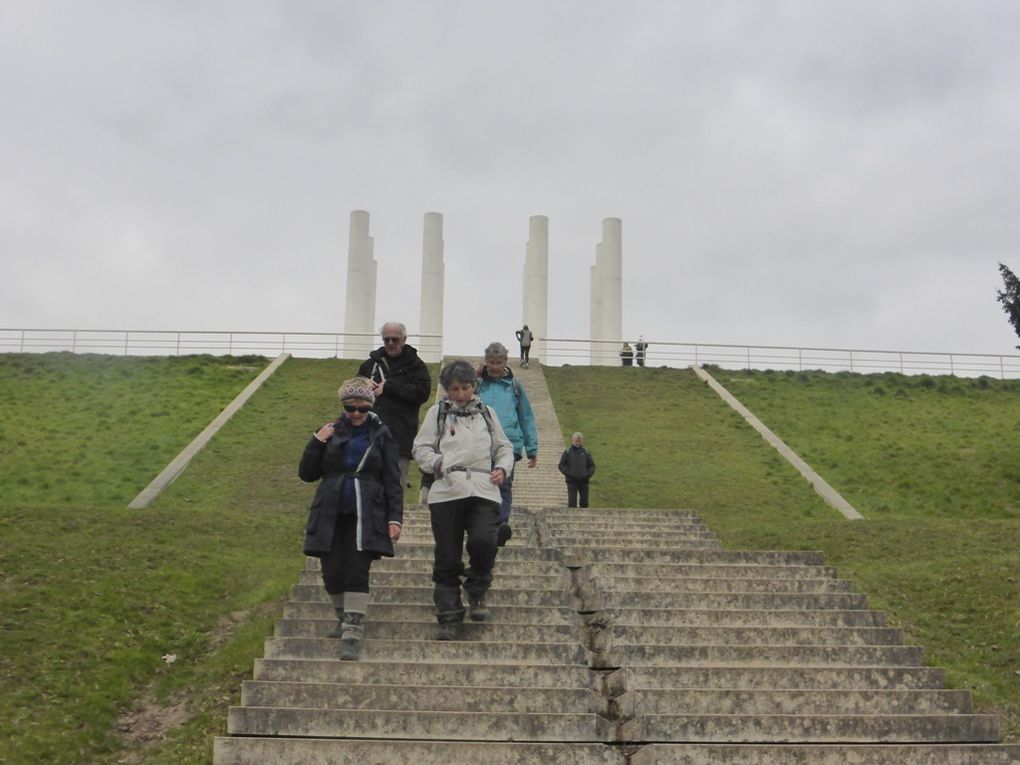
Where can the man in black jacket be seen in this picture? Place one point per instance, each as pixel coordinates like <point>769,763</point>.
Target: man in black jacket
<point>402,385</point>
<point>578,467</point>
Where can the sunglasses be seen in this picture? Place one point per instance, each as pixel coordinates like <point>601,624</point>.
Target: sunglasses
<point>390,340</point>
<point>359,409</point>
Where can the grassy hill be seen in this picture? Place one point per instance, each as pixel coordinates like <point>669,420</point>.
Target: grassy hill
<point>126,634</point>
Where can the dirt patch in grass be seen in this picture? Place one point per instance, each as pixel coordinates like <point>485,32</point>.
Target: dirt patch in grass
<point>146,724</point>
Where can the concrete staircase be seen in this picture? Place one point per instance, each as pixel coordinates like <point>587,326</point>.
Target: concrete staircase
<point>624,637</point>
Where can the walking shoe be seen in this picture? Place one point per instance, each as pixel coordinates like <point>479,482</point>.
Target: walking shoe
<point>504,534</point>
<point>477,609</point>
<point>352,630</point>
<point>448,631</point>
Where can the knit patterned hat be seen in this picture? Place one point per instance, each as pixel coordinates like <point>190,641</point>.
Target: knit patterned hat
<point>357,388</point>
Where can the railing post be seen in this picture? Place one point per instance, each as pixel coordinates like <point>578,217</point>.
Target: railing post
<point>21,348</point>
<point>74,341</point>
<point>800,359</point>
<point>749,357</point>
<point>901,362</point>
<point>230,344</point>
<point>127,333</point>
<point>851,361</point>
<point>1002,369</point>
<point>283,343</point>
<point>336,346</point>
<point>952,367</point>
<point>178,349</point>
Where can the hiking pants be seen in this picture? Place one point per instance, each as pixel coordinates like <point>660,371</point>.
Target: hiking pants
<point>344,568</point>
<point>577,489</point>
<point>477,518</point>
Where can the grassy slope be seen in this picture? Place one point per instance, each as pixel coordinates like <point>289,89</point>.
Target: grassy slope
<point>94,595</point>
<point>931,463</point>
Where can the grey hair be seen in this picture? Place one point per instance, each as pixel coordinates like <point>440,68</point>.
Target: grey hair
<point>577,435</point>
<point>403,329</point>
<point>458,371</point>
<point>496,349</point>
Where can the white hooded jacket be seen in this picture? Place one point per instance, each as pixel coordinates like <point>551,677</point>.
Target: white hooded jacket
<point>467,452</point>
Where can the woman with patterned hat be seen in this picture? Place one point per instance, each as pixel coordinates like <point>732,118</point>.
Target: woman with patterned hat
<point>358,509</point>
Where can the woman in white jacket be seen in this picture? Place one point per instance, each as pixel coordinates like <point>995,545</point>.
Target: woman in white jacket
<point>463,445</point>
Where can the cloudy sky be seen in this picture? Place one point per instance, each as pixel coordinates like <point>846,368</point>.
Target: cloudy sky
<point>806,172</point>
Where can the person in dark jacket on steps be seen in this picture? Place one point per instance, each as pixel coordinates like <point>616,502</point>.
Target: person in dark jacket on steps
<point>578,467</point>
<point>358,509</point>
<point>401,383</point>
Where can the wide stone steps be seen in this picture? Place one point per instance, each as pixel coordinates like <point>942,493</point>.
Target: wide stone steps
<point>604,647</point>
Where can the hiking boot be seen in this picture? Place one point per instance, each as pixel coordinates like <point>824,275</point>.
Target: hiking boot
<point>477,609</point>
<point>448,631</point>
<point>503,534</point>
<point>352,630</point>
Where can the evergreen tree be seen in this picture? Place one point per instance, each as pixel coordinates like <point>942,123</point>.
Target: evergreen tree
<point>1010,297</point>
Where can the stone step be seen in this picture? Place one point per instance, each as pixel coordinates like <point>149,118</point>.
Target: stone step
<point>381,578</point>
<point>431,650</point>
<point>612,538</point>
<point>426,612</point>
<point>728,701</point>
<point>735,617</point>
<point>579,556</point>
<point>809,754</point>
<point>497,596</point>
<point>424,551</point>
<point>426,629</point>
<point>765,677</point>
<point>435,673</point>
<point>318,751</point>
<point>415,698</point>
<point>622,638</point>
<point>566,542</point>
<point>568,524</point>
<point>865,729</point>
<point>758,655</point>
<point>650,586</point>
<point>503,567</point>
<point>704,571</point>
<point>608,513</point>
<point>725,600</point>
<point>435,726</point>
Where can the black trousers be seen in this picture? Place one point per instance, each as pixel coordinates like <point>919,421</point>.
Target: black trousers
<point>577,489</point>
<point>344,568</point>
<point>478,519</point>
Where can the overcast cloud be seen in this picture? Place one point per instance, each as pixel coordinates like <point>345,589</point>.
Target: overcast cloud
<point>796,173</point>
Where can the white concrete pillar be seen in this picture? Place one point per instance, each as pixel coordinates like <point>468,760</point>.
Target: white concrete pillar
<point>536,283</point>
<point>432,275</point>
<point>359,310</point>
<point>607,294</point>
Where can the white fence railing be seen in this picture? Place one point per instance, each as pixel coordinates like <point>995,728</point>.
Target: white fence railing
<point>345,345</point>
<point>557,351</point>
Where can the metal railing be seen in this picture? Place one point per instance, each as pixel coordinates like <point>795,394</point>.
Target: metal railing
<point>346,345</point>
<point>557,351</point>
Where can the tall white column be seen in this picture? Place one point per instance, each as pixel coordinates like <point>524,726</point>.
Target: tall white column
<point>607,294</point>
<point>536,283</point>
<point>432,274</point>
<point>359,311</point>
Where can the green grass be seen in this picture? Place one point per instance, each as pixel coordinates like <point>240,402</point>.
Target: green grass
<point>93,596</point>
<point>930,462</point>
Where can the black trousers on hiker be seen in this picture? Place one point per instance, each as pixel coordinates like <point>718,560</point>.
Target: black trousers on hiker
<point>344,568</point>
<point>478,520</point>
<point>575,490</point>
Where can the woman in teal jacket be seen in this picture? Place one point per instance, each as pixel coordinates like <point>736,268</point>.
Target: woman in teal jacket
<point>499,389</point>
